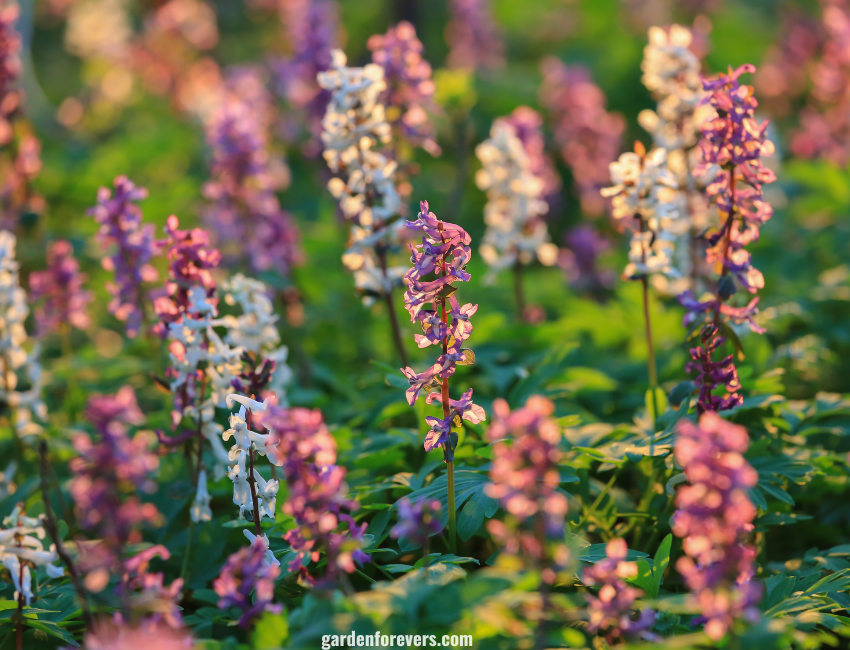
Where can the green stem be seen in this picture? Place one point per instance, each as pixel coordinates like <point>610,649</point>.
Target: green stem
<point>184,570</point>
<point>599,498</point>
<point>450,476</point>
<point>650,361</point>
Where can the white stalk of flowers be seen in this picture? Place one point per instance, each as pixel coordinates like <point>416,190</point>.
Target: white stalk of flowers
<point>354,126</point>
<point>21,546</point>
<point>515,232</point>
<point>16,363</point>
<point>644,197</point>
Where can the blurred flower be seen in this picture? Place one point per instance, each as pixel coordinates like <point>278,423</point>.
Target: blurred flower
<point>524,479</point>
<point>98,29</point>
<point>512,175</point>
<point>473,36</point>
<point>610,610</point>
<point>21,548</point>
<point>579,259</point>
<point>200,510</point>
<point>21,381</point>
<point>109,635</point>
<point>417,522</point>
<point>152,601</point>
<point>410,90</point>
<point>121,226</point>
<point>714,518</point>
<point>245,573</point>
<point>60,286</point>
<point>714,374</point>
<point>589,136</point>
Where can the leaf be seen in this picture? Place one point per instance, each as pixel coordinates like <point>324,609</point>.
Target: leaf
<point>660,562</point>
<point>681,392</point>
<point>781,519</point>
<point>732,337</point>
<point>468,357</point>
<point>778,587</point>
<point>468,484</point>
<point>596,553</point>
<point>271,631</point>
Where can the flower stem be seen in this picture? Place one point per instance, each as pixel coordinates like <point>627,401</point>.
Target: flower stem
<point>388,297</point>
<point>450,465</point>
<point>184,569</point>
<point>450,477</point>
<point>727,237</point>
<point>254,500</point>
<point>519,292</point>
<point>650,348</point>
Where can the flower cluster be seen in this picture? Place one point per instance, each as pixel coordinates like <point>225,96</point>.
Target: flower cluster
<point>644,201</point>
<point>21,375</point>
<point>715,517</point>
<point>60,287</point>
<point>245,213</point>
<point>589,136</point>
<point>473,37</point>
<point>417,522</point>
<point>438,263</point>
<point>247,572</point>
<point>107,473</point>
<point>121,227</point>
<point>524,479</point>
<point>355,125</point>
<point>610,610</point>
<point>312,32</point>
<point>513,171</point>
<point>21,548</point>
<point>579,259</point>
<point>151,601</point>
<point>300,443</point>
<point>108,635</point>
<point>713,374</point>
<point>410,89</point>
<point>20,149</point>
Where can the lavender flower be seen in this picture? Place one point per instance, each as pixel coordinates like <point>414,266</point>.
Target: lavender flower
<point>524,479</point>
<point>60,286</point>
<point>410,90</point>
<point>513,171</point>
<point>715,517</point>
<point>121,226</point>
<point>417,522</point>
<point>589,135</point>
<point>610,610</point>
<point>244,573</point>
<point>473,37</point>
<point>107,473</point>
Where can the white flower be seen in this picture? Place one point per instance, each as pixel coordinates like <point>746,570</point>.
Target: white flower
<point>201,505</point>
<point>21,544</point>
<point>268,559</point>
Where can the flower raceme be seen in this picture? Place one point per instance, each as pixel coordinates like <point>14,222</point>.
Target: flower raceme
<point>247,572</point>
<point>714,518</point>
<point>60,287</point>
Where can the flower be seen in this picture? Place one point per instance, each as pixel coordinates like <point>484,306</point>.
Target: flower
<point>579,259</point>
<point>610,610</point>
<point>107,635</point>
<point>21,548</point>
<point>714,518</point>
<point>120,221</point>
<point>713,374</point>
<point>589,136</point>
<point>152,601</point>
<point>200,510</point>
<point>473,37</point>
<point>418,521</point>
<point>512,176</point>
<point>60,286</point>
<point>244,573</point>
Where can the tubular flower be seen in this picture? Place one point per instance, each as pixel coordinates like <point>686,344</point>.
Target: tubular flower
<point>121,227</point>
<point>21,548</point>
<point>643,199</point>
<point>410,90</point>
<point>589,136</point>
<point>245,213</point>
<point>354,126</point>
<point>244,573</point>
<point>300,443</point>
<point>21,380</point>
<point>524,479</point>
<point>60,286</point>
<point>512,175</point>
<point>438,262</point>
<point>610,610</point>
<point>107,474</point>
<point>473,37</point>
<point>714,374</point>
<point>714,518</point>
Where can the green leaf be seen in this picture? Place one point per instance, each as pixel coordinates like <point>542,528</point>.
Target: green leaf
<point>681,392</point>
<point>271,631</point>
<point>596,553</point>
<point>660,562</point>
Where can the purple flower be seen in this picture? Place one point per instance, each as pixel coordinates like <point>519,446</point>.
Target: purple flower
<point>715,518</point>
<point>589,136</point>
<point>579,259</point>
<point>121,226</point>
<point>246,572</point>
<point>473,37</point>
<point>158,603</point>
<point>610,610</point>
<point>60,286</point>
<point>410,90</point>
<point>714,374</point>
<point>110,635</point>
<point>417,522</point>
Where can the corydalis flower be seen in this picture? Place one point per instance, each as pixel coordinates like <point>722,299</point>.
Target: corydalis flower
<point>21,378</point>
<point>246,572</point>
<point>21,548</point>
<point>589,136</point>
<point>417,522</point>
<point>409,93</point>
<point>524,479</point>
<point>512,175</point>
<point>472,36</point>
<point>712,375</point>
<point>121,227</point>
<point>151,600</point>
<point>60,287</point>
<point>107,635</point>
<point>715,517</point>
<point>610,610</point>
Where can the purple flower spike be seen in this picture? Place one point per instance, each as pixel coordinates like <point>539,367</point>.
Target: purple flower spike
<point>60,286</point>
<point>244,573</point>
<point>121,227</point>
<point>417,522</point>
<point>714,374</point>
<point>473,37</point>
<point>610,610</point>
<point>714,518</point>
